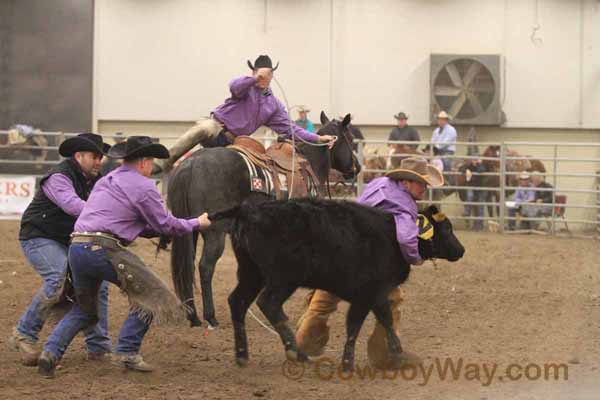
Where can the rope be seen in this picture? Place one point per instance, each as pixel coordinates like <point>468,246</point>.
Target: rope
<point>262,323</point>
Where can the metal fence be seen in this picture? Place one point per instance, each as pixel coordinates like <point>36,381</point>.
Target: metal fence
<point>584,195</point>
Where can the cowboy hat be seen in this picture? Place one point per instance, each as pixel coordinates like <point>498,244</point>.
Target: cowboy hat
<point>83,142</point>
<point>417,169</point>
<point>524,176</point>
<point>443,114</point>
<point>401,115</point>
<point>262,61</point>
<point>138,147</point>
<point>303,109</point>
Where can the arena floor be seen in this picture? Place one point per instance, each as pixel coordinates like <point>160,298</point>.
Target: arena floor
<point>523,300</point>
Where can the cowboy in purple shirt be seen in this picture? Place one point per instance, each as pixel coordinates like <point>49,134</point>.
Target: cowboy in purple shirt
<point>125,204</point>
<point>251,105</point>
<point>397,194</point>
<point>46,226</point>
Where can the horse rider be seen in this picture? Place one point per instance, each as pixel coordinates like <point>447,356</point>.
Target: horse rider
<point>444,139</point>
<point>397,194</point>
<point>44,236</point>
<point>124,205</point>
<point>251,105</point>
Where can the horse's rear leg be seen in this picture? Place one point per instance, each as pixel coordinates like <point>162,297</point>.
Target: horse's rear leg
<point>214,245</point>
<point>193,314</point>
<point>250,283</point>
<point>270,303</point>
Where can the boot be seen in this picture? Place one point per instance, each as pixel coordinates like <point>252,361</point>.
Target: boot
<point>204,130</point>
<point>47,365</point>
<point>133,362</point>
<point>377,347</point>
<point>312,332</point>
<point>27,348</point>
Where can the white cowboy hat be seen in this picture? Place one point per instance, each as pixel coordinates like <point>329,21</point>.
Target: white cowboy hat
<point>417,169</point>
<point>524,176</point>
<point>303,109</point>
<point>443,114</point>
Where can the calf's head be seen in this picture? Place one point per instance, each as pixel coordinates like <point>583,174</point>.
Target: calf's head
<point>443,244</point>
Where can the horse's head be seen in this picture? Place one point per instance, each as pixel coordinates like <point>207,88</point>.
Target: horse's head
<point>342,156</point>
<point>443,243</point>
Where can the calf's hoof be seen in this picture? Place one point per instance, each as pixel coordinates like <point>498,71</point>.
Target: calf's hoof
<point>241,361</point>
<point>402,360</point>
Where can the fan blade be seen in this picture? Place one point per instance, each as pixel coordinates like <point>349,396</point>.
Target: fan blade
<point>454,75</point>
<point>446,91</point>
<point>457,105</point>
<point>475,104</point>
<point>483,88</point>
<point>473,70</point>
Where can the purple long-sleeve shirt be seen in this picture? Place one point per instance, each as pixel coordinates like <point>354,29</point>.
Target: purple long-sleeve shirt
<point>524,195</point>
<point>126,204</point>
<point>391,196</point>
<point>249,108</point>
<point>59,190</point>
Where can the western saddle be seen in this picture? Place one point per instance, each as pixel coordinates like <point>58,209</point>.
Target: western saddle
<point>277,160</point>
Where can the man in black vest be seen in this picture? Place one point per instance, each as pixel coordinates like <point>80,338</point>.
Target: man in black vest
<point>45,232</point>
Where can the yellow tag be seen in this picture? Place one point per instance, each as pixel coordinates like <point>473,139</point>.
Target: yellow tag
<point>425,227</point>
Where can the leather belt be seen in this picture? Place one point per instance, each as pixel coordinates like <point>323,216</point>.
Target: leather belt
<point>100,238</point>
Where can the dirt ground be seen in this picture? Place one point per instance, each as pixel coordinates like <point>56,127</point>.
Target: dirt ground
<point>523,302</point>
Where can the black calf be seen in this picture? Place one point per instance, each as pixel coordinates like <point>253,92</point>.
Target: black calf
<point>341,247</point>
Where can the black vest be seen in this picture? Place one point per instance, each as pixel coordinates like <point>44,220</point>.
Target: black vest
<point>43,218</point>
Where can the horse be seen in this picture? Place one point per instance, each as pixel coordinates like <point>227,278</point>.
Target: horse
<point>215,179</point>
<point>522,164</point>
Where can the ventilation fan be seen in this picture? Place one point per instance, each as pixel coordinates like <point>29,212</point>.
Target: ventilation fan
<point>467,87</point>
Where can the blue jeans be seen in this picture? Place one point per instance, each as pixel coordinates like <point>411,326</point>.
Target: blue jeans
<point>91,268</point>
<point>49,259</point>
<point>475,196</point>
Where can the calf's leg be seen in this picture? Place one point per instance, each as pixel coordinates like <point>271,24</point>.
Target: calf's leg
<point>377,348</point>
<point>270,303</point>
<point>250,283</point>
<point>383,313</point>
<point>354,321</point>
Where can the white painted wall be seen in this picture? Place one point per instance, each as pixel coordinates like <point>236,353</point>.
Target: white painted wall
<point>159,60</point>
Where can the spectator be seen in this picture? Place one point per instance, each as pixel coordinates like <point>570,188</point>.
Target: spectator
<point>444,139</point>
<point>404,132</point>
<point>470,169</point>
<point>303,120</point>
<point>356,133</point>
<point>542,196</point>
<point>108,164</point>
<point>523,196</point>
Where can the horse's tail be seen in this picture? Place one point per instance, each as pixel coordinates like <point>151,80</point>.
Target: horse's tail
<point>183,251</point>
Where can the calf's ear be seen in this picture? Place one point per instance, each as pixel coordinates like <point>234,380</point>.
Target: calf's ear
<point>439,217</point>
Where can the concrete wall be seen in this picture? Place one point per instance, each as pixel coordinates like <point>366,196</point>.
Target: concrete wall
<point>172,60</point>
<point>160,65</point>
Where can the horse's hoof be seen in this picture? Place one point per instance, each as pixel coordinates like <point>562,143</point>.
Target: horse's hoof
<point>347,366</point>
<point>302,357</point>
<point>212,323</point>
<point>195,321</point>
<point>241,361</point>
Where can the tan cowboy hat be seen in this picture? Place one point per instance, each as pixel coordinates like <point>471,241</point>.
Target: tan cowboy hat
<point>303,109</point>
<point>417,169</point>
<point>443,114</point>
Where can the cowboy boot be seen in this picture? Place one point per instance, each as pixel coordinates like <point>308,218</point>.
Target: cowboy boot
<point>312,332</point>
<point>206,129</point>
<point>134,362</point>
<point>377,347</point>
<point>26,347</point>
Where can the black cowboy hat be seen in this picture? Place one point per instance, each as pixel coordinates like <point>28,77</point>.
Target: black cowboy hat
<point>263,61</point>
<point>401,115</point>
<point>83,142</point>
<point>138,147</point>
